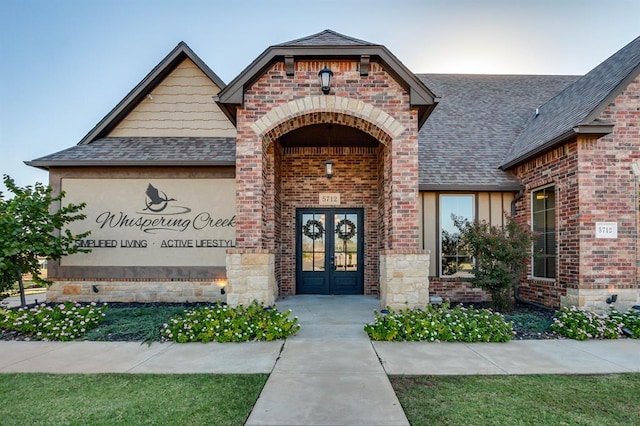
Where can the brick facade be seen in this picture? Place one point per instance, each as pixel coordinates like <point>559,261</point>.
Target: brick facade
<point>272,182</point>
<point>355,178</point>
<point>594,182</point>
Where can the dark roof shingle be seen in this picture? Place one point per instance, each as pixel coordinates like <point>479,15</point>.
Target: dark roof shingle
<point>479,116</point>
<point>326,38</point>
<point>580,103</point>
<point>145,151</point>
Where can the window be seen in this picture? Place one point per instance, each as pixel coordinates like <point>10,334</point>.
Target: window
<point>543,210</point>
<point>454,261</point>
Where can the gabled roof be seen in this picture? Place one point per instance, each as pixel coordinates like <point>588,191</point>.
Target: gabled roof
<point>144,151</point>
<point>477,119</point>
<point>327,38</point>
<point>327,44</point>
<point>155,77</point>
<point>576,109</point>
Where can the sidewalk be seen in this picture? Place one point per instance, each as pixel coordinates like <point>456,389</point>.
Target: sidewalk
<point>415,358</point>
<point>329,373</point>
<point>31,297</point>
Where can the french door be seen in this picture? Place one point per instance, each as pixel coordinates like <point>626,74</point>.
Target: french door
<point>329,251</point>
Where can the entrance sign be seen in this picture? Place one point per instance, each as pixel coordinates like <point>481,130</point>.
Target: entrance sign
<point>153,222</point>
<point>329,199</point>
<point>606,230</point>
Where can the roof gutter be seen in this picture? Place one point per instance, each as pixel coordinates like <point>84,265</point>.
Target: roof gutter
<point>593,129</point>
<point>45,165</point>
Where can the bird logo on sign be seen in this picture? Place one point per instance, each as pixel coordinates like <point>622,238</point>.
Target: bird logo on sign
<point>155,201</point>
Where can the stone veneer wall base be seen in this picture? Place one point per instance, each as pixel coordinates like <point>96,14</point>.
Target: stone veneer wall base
<point>404,279</point>
<point>251,277</point>
<point>595,299</point>
<point>135,291</point>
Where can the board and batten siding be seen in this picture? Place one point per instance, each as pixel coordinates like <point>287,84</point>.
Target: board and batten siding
<point>489,206</point>
<point>181,105</point>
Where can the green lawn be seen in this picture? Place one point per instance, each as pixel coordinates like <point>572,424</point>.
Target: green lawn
<point>520,400</point>
<point>127,399</point>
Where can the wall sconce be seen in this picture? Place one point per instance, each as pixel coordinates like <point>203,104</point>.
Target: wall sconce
<point>222,284</point>
<point>325,75</point>
<point>328,168</point>
<point>612,298</point>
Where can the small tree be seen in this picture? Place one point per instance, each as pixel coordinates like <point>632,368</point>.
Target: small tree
<point>500,255</point>
<point>30,229</point>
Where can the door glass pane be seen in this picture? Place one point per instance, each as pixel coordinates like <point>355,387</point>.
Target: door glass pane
<point>312,229</point>
<point>346,242</point>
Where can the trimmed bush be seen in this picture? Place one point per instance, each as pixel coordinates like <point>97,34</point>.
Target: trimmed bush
<point>64,321</point>
<point>225,324</point>
<point>577,324</point>
<point>440,324</point>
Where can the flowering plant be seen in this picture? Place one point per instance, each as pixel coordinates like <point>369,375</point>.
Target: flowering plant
<point>225,324</point>
<point>441,324</point>
<point>577,324</point>
<point>629,322</point>
<point>64,321</point>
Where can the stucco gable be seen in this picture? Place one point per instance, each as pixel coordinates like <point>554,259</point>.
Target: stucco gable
<point>180,105</point>
<point>138,95</point>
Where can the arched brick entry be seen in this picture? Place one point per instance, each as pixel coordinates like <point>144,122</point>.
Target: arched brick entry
<point>295,176</point>
<point>328,109</point>
<point>397,269</point>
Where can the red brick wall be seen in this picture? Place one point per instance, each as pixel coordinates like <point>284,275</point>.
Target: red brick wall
<point>455,290</point>
<point>302,178</point>
<point>608,193</point>
<point>594,183</point>
<point>255,201</point>
<point>272,182</point>
<point>556,167</point>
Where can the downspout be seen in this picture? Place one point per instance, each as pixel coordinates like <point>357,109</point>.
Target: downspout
<point>635,168</point>
<point>516,289</point>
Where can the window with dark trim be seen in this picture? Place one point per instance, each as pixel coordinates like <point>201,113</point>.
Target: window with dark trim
<point>543,211</point>
<point>454,259</point>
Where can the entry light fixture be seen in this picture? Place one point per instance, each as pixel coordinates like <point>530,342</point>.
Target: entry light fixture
<point>325,75</point>
<point>328,168</point>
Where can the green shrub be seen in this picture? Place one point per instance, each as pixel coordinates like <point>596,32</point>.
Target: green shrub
<point>629,322</point>
<point>532,323</point>
<point>64,321</point>
<point>440,324</point>
<point>577,324</point>
<point>225,324</point>
<point>500,254</point>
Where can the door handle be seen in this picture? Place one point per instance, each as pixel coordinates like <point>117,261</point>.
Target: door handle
<point>332,259</point>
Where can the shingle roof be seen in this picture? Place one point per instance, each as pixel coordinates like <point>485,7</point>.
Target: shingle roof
<point>326,38</point>
<point>479,116</point>
<point>578,104</point>
<point>145,151</point>
<point>327,45</point>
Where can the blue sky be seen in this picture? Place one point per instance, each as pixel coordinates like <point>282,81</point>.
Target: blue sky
<point>67,63</point>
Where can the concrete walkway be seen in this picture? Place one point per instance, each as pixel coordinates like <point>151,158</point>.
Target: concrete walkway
<point>329,373</point>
